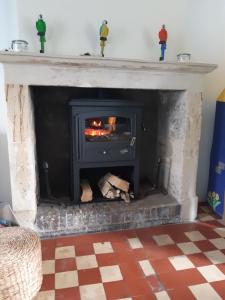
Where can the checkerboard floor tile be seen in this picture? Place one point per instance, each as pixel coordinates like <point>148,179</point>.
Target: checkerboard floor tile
<point>163,240</point>
<point>188,248</point>
<point>86,262</point>
<point>211,273</point>
<point>220,231</point>
<point>103,248</point>
<point>204,291</point>
<point>146,267</point>
<point>162,295</point>
<point>48,267</point>
<point>135,243</point>
<point>195,236</point>
<point>170,262</point>
<point>204,217</point>
<point>181,262</point>
<point>218,243</point>
<point>216,256</point>
<point>110,273</point>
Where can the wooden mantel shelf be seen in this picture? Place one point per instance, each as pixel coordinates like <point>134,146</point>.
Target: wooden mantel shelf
<point>92,62</point>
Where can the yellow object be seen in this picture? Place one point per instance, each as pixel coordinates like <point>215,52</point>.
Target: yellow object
<point>221,97</point>
<point>104,31</point>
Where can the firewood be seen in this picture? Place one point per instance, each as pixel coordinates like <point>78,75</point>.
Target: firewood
<point>113,187</point>
<point>114,193</point>
<point>104,186</point>
<point>107,189</point>
<point>125,196</point>
<point>87,194</point>
<point>117,182</point>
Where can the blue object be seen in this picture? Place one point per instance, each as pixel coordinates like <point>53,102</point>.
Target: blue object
<point>163,49</point>
<point>4,222</point>
<point>216,187</point>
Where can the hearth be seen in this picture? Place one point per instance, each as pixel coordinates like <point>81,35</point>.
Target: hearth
<point>105,136</point>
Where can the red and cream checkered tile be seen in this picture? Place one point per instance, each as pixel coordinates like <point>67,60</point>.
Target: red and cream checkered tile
<point>176,262</point>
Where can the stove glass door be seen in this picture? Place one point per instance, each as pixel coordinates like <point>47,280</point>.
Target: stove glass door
<point>107,129</point>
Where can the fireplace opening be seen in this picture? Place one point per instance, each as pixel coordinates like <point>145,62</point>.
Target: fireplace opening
<point>96,178</point>
<point>55,140</point>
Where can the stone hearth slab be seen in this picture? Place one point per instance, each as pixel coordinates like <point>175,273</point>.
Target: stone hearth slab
<point>152,210</point>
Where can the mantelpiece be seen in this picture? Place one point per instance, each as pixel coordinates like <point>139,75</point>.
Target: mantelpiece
<point>19,71</point>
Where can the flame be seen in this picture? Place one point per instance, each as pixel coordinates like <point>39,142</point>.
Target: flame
<point>96,123</point>
<point>96,127</point>
<point>96,132</point>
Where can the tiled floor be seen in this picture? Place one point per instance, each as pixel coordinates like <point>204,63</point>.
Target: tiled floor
<point>177,262</point>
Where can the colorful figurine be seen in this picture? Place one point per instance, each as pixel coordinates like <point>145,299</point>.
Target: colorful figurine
<point>162,41</point>
<point>41,28</point>
<point>104,31</point>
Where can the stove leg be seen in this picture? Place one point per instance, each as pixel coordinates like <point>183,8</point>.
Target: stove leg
<point>136,180</point>
<point>76,186</point>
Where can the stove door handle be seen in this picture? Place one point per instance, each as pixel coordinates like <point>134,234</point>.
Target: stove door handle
<point>132,141</point>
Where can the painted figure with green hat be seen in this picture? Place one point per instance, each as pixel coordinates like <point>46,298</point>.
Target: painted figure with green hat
<point>41,28</point>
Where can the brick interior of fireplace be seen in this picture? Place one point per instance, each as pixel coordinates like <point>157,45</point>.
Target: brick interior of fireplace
<point>53,137</point>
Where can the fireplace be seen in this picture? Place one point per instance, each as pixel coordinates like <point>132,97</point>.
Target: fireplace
<point>87,138</point>
<point>105,134</point>
<point>173,136</point>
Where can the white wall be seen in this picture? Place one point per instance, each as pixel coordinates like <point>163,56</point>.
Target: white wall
<point>73,26</point>
<point>5,186</point>
<point>8,23</point>
<point>8,32</point>
<point>205,39</point>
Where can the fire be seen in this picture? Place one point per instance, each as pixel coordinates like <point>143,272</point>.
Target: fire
<point>95,123</point>
<point>96,132</point>
<point>96,127</point>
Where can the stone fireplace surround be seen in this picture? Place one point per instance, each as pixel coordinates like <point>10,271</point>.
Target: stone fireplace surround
<point>181,130</point>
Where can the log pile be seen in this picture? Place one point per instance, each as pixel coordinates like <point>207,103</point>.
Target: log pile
<point>111,187</point>
<point>86,191</point>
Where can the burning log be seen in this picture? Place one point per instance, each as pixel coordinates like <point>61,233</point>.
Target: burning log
<point>87,194</point>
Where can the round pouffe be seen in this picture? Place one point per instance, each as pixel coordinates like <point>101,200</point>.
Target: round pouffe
<point>20,264</point>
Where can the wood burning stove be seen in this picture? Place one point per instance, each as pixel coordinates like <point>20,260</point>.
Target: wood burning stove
<point>105,133</point>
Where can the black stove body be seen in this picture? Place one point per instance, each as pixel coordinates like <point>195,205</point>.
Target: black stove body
<point>105,133</point>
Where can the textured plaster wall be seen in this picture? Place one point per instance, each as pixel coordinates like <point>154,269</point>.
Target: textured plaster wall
<point>73,26</point>
<point>5,187</point>
<point>8,23</point>
<point>204,39</point>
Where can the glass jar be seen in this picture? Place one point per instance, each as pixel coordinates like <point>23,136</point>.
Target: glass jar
<point>19,45</point>
<point>184,57</point>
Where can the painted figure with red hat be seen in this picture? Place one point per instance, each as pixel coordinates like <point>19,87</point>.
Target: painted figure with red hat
<point>162,41</point>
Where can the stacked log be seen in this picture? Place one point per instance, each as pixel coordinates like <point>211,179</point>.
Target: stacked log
<point>86,191</point>
<point>112,187</point>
